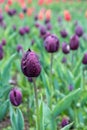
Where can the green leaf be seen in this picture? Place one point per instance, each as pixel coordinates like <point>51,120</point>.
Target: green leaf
<point>13,118</point>
<point>3,109</point>
<point>6,70</point>
<point>67,127</point>
<point>41,119</point>
<point>65,102</point>
<point>20,120</point>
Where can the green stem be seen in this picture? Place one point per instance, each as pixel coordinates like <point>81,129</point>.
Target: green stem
<point>37,105</point>
<point>51,63</point>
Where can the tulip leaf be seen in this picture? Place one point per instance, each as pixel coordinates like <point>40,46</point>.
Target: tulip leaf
<point>65,102</point>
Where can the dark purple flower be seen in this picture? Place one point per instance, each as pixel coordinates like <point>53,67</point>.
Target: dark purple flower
<point>3,25</point>
<point>32,42</point>
<point>37,25</point>
<point>15,96</point>
<point>64,60</point>
<point>79,31</point>
<point>1,17</point>
<point>74,42</point>
<point>14,27</point>
<point>42,30</point>
<point>49,26</point>
<point>24,10</point>
<point>47,21</point>
<point>1,52</point>
<point>51,43</point>
<point>11,12</point>
<point>3,42</point>
<point>63,33</point>
<point>30,64</point>
<point>21,31</point>
<point>65,48</point>
<point>70,87</point>
<point>26,29</point>
<point>84,60</point>
<point>19,48</point>
<point>36,17</point>
<point>59,19</point>
<point>65,121</point>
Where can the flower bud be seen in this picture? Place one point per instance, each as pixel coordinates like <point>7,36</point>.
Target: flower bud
<point>63,33</point>
<point>21,31</point>
<point>19,48</point>
<point>65,121</point>
<point>15,96</point>
<point>79,31</point>
<point>30,64</point>
<point>74,42</point>
<point>84,60</point>
<point>26,29</point>
<point>65,48</point>
<point>51,43</point>
<point>3,42</point>
<point>1,52</point>
<point>42,30</point>
<point>64,60</point>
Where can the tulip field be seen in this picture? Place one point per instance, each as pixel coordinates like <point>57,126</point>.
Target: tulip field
<point>43,64</point>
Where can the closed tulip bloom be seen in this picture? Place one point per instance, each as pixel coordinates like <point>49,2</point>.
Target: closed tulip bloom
<point>21,31</point>
<point>84,60</point>
<point>51,43</point>
<point>1,52</point>
<point>30,64</point>
<point>3,42</point>
<point>79,31</point>
<point>65,121</point>
<point>42,30</point>
<point>19,48</point>
<point>15,97</point>
<point>65,48</point>
<point>26,29</point>
<point>1,17</point>
<point>63,33</point>
<point>74,42</point>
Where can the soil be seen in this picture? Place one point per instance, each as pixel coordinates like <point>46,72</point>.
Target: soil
<point>6,122</point>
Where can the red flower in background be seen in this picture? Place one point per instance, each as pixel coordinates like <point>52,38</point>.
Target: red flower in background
<point>1,1</point>
<point>21,15</point>
<point>10,2</point>
<point>29,1</point>
<point>67,15</point>
<point>6,7</point>
<point>30,11</point>
<point>40,2</point>
<point>48,14</point>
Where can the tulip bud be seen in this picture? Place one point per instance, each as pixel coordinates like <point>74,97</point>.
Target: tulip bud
<point>79,31</point>
<point>65,121</point>
<point>74,42</point>
<point>19,48</point>
<point>15,96</point>
<point>30,64</point>
<point>1,52</point>
<point>63,33</point>
<point>3,42</point>
<point>51,43</point>
<point>65,48</point>
<point>21,31</point>
<point>27,29</point>
<point>84,60</point>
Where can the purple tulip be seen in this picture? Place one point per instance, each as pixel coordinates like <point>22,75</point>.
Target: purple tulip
<point>15,96</point>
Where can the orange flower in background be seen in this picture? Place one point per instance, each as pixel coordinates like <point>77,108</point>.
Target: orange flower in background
<point>48,14</point>
<point>48,1</point>
<point>86,14</point>
<point>29,1</point>
<point>1,1</point>
<point>67,15</point>
<point>41,15</point>
<point>9,2</point>
<point>6,8</point>
<point>21,15</point>
<point>40,2</point>
<point>30,11</point>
